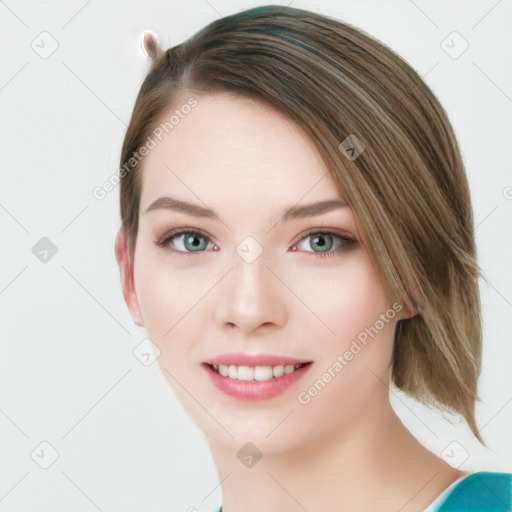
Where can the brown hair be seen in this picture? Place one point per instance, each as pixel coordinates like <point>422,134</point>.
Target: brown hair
<point>408,188</point>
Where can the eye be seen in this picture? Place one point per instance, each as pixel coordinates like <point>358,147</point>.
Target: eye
<point>191,241</point>
<point>185,241</point>
<point>323,241</point>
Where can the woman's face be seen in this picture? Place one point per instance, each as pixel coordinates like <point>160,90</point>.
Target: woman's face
<point>254,280</point>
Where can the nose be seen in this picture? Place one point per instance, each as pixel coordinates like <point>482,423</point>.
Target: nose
<point>251,298</point>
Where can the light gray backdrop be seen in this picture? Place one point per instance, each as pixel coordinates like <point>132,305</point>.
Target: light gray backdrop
<point>84,425</point>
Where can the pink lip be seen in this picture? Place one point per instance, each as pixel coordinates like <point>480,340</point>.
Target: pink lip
<point>241,359</point>
<point>254,390</point>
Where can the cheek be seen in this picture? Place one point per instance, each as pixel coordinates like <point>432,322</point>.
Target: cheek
<point>347,298</point>
<point>160,293</point>
<point>354,361</point>
<point>169,294</point>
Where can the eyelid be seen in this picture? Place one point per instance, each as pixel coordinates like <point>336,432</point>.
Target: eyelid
<point>327,230</point>
<point>184,230</point>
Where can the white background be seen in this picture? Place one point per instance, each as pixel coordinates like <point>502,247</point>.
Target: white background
<point>68,373</point>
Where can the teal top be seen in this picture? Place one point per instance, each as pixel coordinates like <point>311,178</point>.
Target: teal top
<point>479,492</point>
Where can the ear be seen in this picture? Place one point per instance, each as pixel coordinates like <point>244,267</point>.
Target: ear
<point>125,263</point>
<point>411,305</point>
<point>414,301</point>
<point>409,310</point>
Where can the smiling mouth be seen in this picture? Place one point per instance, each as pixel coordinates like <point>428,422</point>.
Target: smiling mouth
<point>255,373</point>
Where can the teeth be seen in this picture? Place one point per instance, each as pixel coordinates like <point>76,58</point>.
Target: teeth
<point>259,373</point>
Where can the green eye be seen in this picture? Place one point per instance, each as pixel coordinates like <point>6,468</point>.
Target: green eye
<point>325,244</point>
<point>193,242</point>
<point>323,241</point>
<point>185,241</point>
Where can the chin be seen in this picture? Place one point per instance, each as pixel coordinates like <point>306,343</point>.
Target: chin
<point>271,434</point>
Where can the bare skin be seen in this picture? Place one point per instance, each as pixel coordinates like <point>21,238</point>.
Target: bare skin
<point>343,450</point>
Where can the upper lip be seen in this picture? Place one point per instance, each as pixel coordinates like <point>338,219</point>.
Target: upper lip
<point>241,359</point>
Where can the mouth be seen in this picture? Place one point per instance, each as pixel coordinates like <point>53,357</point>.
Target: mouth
<point>255,373</point>
<point>251,383</point>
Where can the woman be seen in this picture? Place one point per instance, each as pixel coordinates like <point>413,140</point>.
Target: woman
<point>296,234</point>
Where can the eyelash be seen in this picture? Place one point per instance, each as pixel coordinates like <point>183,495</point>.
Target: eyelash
<point>346,241</point>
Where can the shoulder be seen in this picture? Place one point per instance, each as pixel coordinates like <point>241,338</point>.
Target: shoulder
<point>480,491</point>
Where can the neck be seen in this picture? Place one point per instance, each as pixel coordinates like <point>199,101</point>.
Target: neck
<point>375,464</point>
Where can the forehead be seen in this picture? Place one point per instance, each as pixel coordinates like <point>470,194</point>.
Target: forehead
<point>229,150</point>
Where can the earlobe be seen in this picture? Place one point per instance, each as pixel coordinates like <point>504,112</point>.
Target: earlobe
<point>413,302</point>
<point>125,264</point>
<point>410,307</point>
<point>410,310</point>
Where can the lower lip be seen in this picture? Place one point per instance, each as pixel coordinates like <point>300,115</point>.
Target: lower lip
<point>255,390</point>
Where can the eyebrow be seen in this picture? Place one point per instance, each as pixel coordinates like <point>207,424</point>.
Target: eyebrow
<point>295,212</point>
